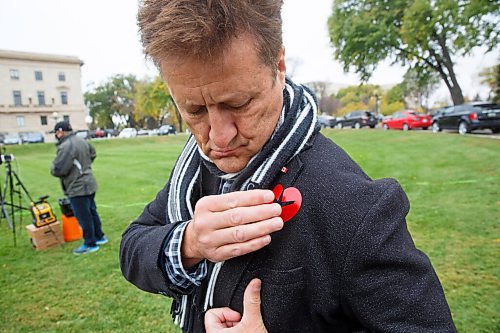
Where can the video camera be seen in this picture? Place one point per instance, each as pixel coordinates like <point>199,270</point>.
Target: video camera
<point>7,158</point>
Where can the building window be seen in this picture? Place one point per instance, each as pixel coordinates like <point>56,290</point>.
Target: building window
<point>41,97</point>
<point>17,98</point>
<point>61,76</point>
<point>66,118</point>
<point>14,74</point>
<point>64,97</point>
<point>38,75</point>
<point>43,120</point>
<point>20,121</point>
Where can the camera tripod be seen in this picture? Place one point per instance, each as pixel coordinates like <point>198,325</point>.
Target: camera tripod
<point>12,185</point>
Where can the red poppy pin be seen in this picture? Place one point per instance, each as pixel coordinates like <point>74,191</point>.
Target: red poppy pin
<point>289,199</point>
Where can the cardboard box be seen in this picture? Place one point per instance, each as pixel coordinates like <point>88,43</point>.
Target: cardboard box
<point>45,237</point>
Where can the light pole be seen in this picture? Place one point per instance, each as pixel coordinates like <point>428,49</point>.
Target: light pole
<point>55,115</point>
<point>377,104</point>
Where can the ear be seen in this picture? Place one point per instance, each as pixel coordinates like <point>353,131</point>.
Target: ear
<point>281,67</point>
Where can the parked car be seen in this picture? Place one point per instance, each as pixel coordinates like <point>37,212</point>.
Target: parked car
<point>128,132</point>
<point>437,113</point>
<point>142,132</point>
<point>2,136</point>
<point>111,132</point>
<point>22,135</point>
<point>358,119</point>
<point>84,134</point>
<point>33,137</point>
<point>97,133</point>
<point>327,121</point>
<point>407,120</point>
<point>465,118</point>
<point>166,130</point>
<point>12,139</point>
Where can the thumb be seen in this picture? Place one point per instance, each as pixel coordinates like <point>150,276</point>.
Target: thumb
<point>251,302</point>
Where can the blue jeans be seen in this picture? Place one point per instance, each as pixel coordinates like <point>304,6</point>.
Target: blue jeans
<point>85,211</point>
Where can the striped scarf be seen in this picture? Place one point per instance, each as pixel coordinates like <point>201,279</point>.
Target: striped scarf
<point>296,125</point>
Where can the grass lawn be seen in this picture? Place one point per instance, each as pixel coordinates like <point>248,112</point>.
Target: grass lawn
<point>453,183</point>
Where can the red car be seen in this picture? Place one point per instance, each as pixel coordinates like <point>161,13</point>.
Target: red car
<point>407,120</point>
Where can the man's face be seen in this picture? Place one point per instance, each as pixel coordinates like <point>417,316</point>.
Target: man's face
<point>59,134</point>
<point>231,105</point>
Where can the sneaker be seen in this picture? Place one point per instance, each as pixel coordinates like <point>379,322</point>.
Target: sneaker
<point>102,241</point>
<point>84,249</point>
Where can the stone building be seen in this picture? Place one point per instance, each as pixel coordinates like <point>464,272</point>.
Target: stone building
<point>37,90</point>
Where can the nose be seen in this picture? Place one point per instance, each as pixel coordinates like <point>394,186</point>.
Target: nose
<point>222,128</point>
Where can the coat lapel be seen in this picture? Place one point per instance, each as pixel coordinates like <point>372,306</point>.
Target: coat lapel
<point>233,270</point>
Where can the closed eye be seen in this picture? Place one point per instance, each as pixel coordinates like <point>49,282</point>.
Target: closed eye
<point>238,106</point>
<point>197,111</point>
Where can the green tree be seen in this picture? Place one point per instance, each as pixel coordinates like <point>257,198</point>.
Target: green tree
<point>153,101</point>
<point>112,99</point>
<point>389,108</point>
<point>98,101</point>
<point>123,88</point>
<point>396,94</point>
<point>423,34</point>
<point>394,99</point>
<point>491,77</point>
<point>412,91</point>
<point>419,84</point>
<point>358,97</point>
<point>357,93</point>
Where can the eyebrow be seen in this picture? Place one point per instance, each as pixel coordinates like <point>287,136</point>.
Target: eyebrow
<point>235,98</point>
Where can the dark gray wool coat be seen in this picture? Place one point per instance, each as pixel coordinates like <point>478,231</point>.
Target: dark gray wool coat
<point>345,263</point>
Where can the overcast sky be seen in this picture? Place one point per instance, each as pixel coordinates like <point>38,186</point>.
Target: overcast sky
<point>103,33</point>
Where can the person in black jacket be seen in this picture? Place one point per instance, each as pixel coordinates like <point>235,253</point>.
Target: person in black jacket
<point>73,166</point>
<point>264,224</point>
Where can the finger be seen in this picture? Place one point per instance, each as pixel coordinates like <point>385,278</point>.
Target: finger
<point>221,318</point>
<point>246,232</point>
<point>227,252</point>
<point>243,215</point>
<point>223,202</point>
<point>251,303</point>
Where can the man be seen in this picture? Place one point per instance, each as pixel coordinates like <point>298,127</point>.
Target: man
<point>73,165</point>
<point>215,238</point>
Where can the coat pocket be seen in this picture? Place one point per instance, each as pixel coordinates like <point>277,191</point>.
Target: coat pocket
<point>275,277</point>
<point>284,299</point>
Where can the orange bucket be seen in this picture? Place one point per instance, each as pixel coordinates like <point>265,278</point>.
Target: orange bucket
<point>71,229</point>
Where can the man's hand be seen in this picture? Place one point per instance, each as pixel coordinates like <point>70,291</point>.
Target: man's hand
<point>230,225</point>
<point>227,320</point>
